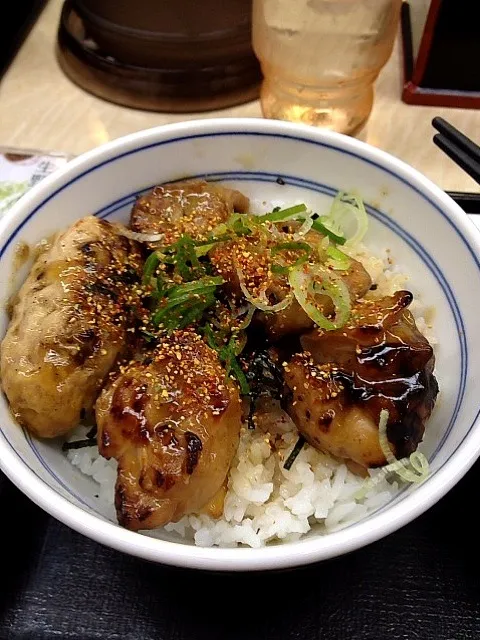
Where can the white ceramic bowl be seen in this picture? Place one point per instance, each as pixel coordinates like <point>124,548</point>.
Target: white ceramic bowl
<point>426,231</point>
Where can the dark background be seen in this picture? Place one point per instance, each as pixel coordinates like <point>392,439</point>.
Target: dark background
<point>454,55</point>
<point>420,583</point>
<point>17,17</point>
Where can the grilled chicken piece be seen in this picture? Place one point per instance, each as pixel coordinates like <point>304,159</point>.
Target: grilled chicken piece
<point>173,423</point>
<point>252,254</point>
<point>326,416</point>
<point>193,207</point>
<point>346,377</point>
<point>68,326</point>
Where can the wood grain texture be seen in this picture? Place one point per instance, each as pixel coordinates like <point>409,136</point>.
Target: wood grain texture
<point>41,108</point>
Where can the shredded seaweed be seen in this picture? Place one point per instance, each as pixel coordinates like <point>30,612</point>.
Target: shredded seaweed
<point>79,444</point>
<point>92,433</point>
<point>295,451</point>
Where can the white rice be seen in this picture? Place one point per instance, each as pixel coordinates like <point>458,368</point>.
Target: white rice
<point>265,502</point>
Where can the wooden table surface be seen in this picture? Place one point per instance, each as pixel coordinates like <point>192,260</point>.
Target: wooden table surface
<point>41,109</point>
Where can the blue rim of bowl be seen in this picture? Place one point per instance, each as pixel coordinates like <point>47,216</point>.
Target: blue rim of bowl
<point>105,211</point>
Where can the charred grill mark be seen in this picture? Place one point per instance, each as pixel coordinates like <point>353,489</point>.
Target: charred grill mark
<point>87,343</point>
<point>99,288</point>
<point>128,276</point>
<point>325,420</point>
<point>405,434</point>
<point>167,436</point>
<point>105,440</point>
<point>86,334</point>
<point>121,505</point>
<point>90,268</point>
<point>128,408</point>
<point>159,478</point>
<point>370,329</point>
<point>194,449</point>
<point>409,401</point>
<point>151,480</point>
<point>140,399</point>
<point>405,300</point>
<point>169,482</point>
<point>143,513</point>
<point>84,352</point>
<point>87,249</point>
<point>118,402</point>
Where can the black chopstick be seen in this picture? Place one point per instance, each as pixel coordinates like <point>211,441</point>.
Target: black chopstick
<point>470,202</point>
<point>458,147</point>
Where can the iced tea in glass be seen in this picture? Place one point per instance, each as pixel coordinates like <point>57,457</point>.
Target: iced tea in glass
<point>320,58</point>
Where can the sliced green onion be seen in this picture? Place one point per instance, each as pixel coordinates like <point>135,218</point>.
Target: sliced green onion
<point>196,311</point>
<point>382,436</point>
<point>181,313</point>
<point>161,286</point>
<point>305,228</point>
<point>227,355</point>
<point>291,246</point>
<point>248,319</point>
<point>203,249</point>
<point>416,469</point>
<point>198,287</point>
<point>186,260</point>
<point>240,342</point>
<point>338,259</point>
<point>151,265</point>
<point>280,269</point>
<point>283,214</point>
<point>263,305</point>
<point>347,207</point>
<point>148,335</point>
<point>235,368</point>
<point>241,224</point>
<point>308,282</point>
<point>294,453</point>
<point>219,230</point>
<point>185,303</point>
<point>321,228</point>
<point>210,336</point>
<point>166,258</point>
